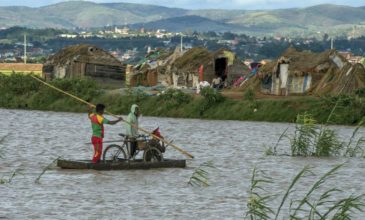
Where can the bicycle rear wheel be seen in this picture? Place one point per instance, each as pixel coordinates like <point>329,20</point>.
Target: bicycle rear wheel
<point>152,154</point>
<point>114,153</point>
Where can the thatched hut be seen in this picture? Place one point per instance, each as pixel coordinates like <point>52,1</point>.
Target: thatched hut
<point>185,69</point>
<point>198,64</point>
<point>294,72</point>
<point>83,60</point>
<point>146,72</point>
<point>300,73</point>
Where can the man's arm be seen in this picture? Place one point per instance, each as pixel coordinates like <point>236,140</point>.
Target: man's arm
<point>115,121</point>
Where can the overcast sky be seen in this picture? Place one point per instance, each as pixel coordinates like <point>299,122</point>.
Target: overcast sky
<point>204,4</point>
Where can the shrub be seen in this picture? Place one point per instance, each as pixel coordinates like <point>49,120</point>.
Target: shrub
<point>249,95</point>
<point>211,97</point>
<point>135,95</point>
<point>360,92</point>
<point>174,98</point>
<point>18,84</point>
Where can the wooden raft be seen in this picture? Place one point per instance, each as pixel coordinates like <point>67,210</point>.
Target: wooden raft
<point>121,165</point>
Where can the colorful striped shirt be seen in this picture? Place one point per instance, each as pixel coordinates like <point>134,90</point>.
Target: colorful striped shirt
<point>97,124</point>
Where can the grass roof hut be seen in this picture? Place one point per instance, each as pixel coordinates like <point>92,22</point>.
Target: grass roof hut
<point>83,60</point>
<point>307,73</point>
<point>295,72</point>
<point>222,63</point>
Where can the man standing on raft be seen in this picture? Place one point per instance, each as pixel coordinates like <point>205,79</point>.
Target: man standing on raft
<point>97,124</point>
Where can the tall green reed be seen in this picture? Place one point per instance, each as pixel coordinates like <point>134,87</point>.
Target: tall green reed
<point>258,207</point>
<point>327,205</point>
<point>311,139</point>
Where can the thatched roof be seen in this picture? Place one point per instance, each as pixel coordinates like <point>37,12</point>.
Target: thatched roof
<point>300,62</point>
<point>193,58</point>
<point>83,53</point>
<point>344,81</point>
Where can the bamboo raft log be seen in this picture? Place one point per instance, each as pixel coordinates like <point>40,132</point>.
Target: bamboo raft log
<point>122,165</point>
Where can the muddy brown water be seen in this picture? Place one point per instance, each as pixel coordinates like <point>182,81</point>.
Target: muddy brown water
<point>36,138</point>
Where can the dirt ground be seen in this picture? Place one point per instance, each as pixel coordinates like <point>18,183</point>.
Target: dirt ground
<point>238,95</point>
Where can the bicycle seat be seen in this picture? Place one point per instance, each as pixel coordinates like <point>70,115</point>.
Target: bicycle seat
<point>123,135</point>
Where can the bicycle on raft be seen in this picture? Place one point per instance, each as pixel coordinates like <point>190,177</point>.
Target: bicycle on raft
<point>152,149</point>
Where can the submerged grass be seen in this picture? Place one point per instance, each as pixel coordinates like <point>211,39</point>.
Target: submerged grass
<point>325,206</point>
<point>7,180</point>
<point>37,180</point>
<point>2,139</point>
<point>200,177</point>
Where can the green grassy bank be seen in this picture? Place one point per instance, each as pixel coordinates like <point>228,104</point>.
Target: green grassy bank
<point>23,92</point>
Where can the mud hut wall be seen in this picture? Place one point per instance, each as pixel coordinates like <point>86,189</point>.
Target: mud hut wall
<point>151,78</point>
<point>275,88</point>
<point>60,72</point>
<point>195,82</point>
<point>280,83</point>
<point>209,73</point>
<point>299,84</point>
<point>182,80</point>
<point>175,78</point>
<point>284,75</point>
<point>77,69</point>
<point>192,79</point>
<point>98,70</point>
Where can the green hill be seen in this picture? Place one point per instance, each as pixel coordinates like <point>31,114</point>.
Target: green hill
<point>191,22</point>
<point>333,19</point>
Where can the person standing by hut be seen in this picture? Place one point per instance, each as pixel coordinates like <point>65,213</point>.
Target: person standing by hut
<point>97,124</point>
<point>132,128</point>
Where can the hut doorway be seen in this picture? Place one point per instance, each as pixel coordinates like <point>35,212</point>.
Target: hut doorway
<point>220,67</point>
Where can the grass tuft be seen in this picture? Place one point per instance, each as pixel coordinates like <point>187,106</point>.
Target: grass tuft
<point>200,177</point>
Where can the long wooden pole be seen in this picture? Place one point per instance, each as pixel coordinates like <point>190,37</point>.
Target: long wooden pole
<point>111,114</point>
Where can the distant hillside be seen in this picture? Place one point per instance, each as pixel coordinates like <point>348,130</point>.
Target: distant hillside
<point>333,19</point>
<point>191,22</point>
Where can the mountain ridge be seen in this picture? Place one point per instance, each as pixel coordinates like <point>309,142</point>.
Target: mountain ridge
<point>84,14</point>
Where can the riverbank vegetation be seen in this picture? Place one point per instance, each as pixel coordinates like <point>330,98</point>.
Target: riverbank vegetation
<point>23,92</point>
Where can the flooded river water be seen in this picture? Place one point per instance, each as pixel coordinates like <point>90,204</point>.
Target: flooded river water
<point>36,138</point>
